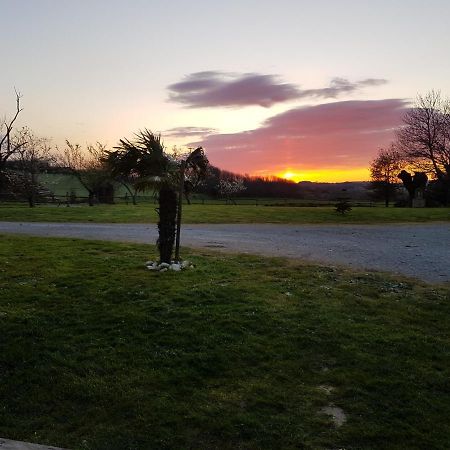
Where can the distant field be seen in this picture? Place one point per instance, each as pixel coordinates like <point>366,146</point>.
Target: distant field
<point>62,185</point>
<point>146,213</point>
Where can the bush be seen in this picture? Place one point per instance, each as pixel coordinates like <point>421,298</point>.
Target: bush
<point>343,206</point>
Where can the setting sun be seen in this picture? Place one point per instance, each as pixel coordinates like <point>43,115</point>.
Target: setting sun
<point>326,175</point>
<point>290,176</point>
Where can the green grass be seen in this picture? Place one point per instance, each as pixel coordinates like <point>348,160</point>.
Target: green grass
<point>144,213</point>
<point>61,184</point>
<point>96,352</point>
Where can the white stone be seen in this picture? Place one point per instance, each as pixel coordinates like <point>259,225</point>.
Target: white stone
<point>164,269</point>
<point>337,415</point>
<point>164,265</point>
<point>175,267</point>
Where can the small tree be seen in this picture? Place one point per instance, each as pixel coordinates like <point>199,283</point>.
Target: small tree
<point>384,170</point>
<point>343,206</point>
<point>87,166</point>
<point>30,160</point>
<point>192,170</point>
<point>146,159</point>
<point>230,188</point>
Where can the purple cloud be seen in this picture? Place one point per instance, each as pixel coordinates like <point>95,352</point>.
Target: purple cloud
<point>339,86</point>
<point>206,89</point>
<point>223,89</point>
<point>341,134</point>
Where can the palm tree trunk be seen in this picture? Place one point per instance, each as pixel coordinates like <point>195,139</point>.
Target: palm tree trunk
<point>166,226</point>
<point>179,212</point>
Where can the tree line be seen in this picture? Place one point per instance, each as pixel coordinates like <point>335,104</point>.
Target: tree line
<point>419,155</point>
<point>24,156</point>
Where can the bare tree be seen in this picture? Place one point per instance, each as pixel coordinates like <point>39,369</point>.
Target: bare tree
<point>425,137</point>
<point>384,170</point>
<point>87,166</point>
<point>29,161</point>
<point>193,165</point>
<point>229,188</point>
<point>10,142</point>
<point>194,174</point>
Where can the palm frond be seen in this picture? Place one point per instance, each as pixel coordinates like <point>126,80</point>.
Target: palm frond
<point>143,157</point>
<point>152,183</point>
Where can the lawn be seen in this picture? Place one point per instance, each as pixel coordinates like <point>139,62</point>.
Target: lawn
<point>96,352</point>
<point>144,213</point>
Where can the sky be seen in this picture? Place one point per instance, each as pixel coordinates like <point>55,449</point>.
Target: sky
<point>300,89</point>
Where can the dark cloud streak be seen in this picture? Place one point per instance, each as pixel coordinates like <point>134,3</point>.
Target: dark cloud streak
<point>189,131</point>
<point>223,89</point>
<point>210,89</point>
<point>339,86</point>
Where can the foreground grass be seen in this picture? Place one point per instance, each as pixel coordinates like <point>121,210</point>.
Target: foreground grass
<point>144,213</point>
<point>96,352</point>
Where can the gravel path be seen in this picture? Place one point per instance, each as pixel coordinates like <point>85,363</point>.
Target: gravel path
<point>417,250</point>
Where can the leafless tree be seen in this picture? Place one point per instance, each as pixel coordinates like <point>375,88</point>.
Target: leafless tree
<point>87,166</point>
<point>29,161</point>
<point>10,142</point>
<point>194,174</point>
<point>229,188</point>
<point>425,137</point>
<point>384,170</point>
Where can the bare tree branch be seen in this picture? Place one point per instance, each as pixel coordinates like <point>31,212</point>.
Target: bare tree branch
<point>29,161</point>
<point>425,137</point>
<point>9,143</point>
<point>87,166</point>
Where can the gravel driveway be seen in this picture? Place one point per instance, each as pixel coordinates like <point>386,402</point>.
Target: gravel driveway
<point>417,250</point>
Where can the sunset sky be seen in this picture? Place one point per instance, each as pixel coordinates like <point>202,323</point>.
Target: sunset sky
<point>306,90</point>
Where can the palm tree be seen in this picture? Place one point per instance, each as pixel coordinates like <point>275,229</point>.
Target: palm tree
<point>145,160</point>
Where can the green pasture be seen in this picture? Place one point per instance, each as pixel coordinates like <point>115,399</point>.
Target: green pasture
<point>97,352</point>
<point>63,185</point>
<point>198,213</point>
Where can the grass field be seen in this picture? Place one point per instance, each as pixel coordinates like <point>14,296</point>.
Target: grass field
<point>96,352</point>
<point>61,184</point>
<point>144,213</point>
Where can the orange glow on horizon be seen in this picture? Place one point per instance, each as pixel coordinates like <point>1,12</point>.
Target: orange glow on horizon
<point>326,175</point>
